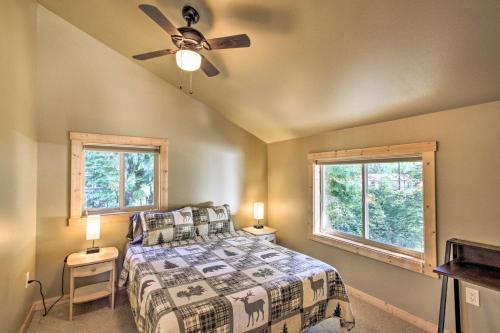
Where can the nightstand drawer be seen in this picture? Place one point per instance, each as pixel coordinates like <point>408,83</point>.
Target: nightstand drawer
<point>270,238</point>
<point>89,270</point>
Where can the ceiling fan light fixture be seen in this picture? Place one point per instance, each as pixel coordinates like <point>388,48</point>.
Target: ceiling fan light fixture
<point>188,60</point>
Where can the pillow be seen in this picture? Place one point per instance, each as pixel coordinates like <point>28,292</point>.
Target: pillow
<point>212,220</point>
<point>134,234</point>
<point>163,227</point>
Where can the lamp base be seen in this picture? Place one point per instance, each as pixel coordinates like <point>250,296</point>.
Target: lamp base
<point>92,250</point>
<point>258,226</point>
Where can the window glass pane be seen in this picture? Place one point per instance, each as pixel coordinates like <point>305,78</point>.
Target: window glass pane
<point>342,198</point>
<point>102,180</point>
<point>139,179</point>
<point>395,204</point>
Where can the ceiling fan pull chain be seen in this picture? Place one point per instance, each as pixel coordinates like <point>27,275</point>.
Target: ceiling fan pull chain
<point>180,78</point>
<point>191,83</point>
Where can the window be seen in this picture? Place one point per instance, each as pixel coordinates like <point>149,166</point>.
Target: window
<point>377,202</point>
<point>116,175</point>
<point>118,180</point>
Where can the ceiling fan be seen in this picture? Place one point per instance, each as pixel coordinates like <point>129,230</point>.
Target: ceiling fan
<point>190,41</point>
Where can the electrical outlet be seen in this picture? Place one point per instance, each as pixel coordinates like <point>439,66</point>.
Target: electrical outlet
<point>27,279</point>
<point>472,296</point>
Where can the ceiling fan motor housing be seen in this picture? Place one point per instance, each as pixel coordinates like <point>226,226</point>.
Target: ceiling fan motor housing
<point>190,39</point>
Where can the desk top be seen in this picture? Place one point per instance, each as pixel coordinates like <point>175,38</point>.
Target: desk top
<point>472,262</point>
<point>484,276</point>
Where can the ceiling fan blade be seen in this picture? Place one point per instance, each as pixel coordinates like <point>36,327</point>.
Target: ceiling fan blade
<point>208,68</point>
<point>160,19</point>
<point>229,42</point>
<point>154,54</point>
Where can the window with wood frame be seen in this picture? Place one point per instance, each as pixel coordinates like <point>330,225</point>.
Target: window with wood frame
<point>378,202</point>
<point>116,175</point>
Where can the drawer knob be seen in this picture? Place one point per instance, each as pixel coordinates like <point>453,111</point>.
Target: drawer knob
<point>93,269</point>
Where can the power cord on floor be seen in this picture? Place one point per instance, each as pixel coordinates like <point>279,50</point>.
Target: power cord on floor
<point>45,311</point>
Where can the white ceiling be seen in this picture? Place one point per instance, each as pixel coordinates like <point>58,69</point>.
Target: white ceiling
<point>318,65</point>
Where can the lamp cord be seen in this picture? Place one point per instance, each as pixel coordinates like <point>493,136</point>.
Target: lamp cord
<point>41,294</point>
<point>45,310</point>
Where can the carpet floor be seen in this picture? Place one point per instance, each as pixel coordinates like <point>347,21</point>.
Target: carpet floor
<point>96,317</point>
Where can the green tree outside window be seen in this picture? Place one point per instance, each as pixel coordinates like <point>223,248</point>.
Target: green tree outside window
<point>394,197</point>
<point>103,185</point>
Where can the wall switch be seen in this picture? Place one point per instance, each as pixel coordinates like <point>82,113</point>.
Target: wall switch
<point>27,279</point>
<point>472,296</point>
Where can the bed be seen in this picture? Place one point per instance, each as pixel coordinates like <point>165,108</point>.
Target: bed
<point>230,282</point>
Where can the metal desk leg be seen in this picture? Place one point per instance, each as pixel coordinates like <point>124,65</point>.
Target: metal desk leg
<point>456,293</point>
<point>456,296</point>
<point>444,290</point>
<point>442,306</point>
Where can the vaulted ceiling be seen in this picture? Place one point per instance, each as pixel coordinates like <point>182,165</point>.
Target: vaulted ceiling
<point>318,65</point>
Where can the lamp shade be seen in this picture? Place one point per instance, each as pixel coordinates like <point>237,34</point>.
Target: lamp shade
<point>258,210</point>
<point>93,227</point>
<point>188,60</point>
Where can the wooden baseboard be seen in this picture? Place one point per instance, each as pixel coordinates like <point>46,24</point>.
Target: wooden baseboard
<point>395,311</point>
<point>389,308</point>
<point>27,320</point>
<point>38,305</point>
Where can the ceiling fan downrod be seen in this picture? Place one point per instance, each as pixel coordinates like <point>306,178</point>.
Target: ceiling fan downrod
<point>190,15</point>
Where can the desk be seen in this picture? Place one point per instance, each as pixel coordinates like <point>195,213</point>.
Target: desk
<point>471,262</point>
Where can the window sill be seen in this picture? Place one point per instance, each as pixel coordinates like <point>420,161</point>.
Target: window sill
<point>105,218</point>
<point>390,257</point>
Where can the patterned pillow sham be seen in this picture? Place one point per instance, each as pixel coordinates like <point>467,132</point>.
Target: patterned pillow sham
<point>163,227</point>
<point>212,220</point>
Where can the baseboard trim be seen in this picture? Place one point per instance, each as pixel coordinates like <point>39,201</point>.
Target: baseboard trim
<point>387,307</point>
<point>395,311</point>
<point>27,320</point>
<point>38,305</point>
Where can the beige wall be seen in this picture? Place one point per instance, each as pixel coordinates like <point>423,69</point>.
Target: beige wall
<point>468,192</point>
<point>18,149</point>
<point>85,86</point>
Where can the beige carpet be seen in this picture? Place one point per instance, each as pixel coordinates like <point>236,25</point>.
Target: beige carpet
<point>95,317</point>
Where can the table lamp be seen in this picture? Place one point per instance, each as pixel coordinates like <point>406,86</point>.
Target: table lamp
<point>258,214</point>
<point>93,231</point>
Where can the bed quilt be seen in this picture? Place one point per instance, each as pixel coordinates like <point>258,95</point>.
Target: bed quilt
<point>230,283</point>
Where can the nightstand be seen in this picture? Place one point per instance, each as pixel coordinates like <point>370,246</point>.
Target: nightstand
<point>82,265</point>
<point>266,233</point>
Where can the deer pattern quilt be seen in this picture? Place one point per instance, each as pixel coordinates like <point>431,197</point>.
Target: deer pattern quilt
<point>230,282</point>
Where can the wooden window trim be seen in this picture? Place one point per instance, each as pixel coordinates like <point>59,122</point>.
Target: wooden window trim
<point>80,140</point>
<point>425,150</point>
